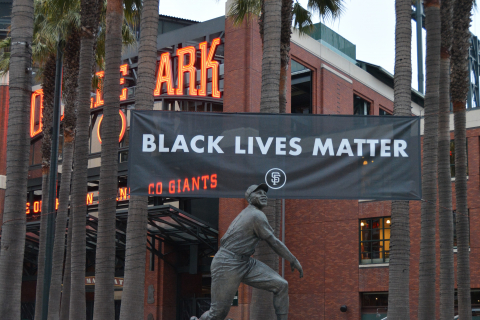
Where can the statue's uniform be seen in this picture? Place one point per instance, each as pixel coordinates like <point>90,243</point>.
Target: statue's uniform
<point>232,264</point>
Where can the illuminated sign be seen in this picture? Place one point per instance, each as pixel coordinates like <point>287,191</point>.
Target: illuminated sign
<point>35,207</point>
<point>122,130</point>
<point>184,185</point>
<point>186,64</point>
<point>36,113</point>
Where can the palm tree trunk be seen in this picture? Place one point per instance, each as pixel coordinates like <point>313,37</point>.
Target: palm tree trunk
<point>399,270</point>
<point>105,255</point>
<point>41,245</point>
<point>71,60</point>
<point>459,86</point>
<point>79,179</point>
<point>18,144</point>
<point>47,114</point>
<point>286,33</point>
<point>426,304</point>
<point>262,307</point>
<point>65,301</point>
<point>134,285</point>
<point>444,176</point>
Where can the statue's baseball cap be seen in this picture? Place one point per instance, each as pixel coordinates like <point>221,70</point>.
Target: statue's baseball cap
<point>255,187</point>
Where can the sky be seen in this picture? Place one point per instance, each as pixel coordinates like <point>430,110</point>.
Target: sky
<point>369,24</point>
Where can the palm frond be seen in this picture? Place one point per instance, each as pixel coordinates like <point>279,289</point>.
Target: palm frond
<point>5,55</point>
<point>244,9</point>
<point>128,36</point>
<point>327,9</point>
<point>302,19</point>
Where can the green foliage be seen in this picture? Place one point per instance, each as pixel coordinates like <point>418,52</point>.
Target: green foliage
<point>302,17</point>
<point>242,9</point>
<point>58,17</point>
<point>327,9</point>
<point>5,55</point>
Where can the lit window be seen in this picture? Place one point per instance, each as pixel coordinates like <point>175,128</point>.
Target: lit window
<point>374,305</point>
<point>375,240</point>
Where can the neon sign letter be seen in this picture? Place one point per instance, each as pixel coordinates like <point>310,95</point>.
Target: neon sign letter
<point>209,63</point>
<point>36,96</point>
<point>190,68</point>
<point>122,131</point>
<point>164,74</point>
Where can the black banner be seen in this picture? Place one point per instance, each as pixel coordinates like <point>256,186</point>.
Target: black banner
<point>218,155</point>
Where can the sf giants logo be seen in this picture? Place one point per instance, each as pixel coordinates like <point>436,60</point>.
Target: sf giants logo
<point>275,178</point>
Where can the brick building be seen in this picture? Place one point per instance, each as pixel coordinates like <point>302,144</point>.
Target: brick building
<point>342,245</point>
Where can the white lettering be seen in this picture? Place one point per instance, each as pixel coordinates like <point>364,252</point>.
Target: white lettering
<point>193,144</point>
<point>180,143</point>
<point>161,139</point>
<point>384,148</point>
<point>213,144</point>
<point>250,145</point>
<point>294,144</point>
<point>280,145</point>
<point>264,147</point>
<point>359,143</point>
<point>237,145</point>
<point>372,143</point>
<point>323,147</point>
<point>399,147</point>
<point>148,143</point>
<point>345,148</point>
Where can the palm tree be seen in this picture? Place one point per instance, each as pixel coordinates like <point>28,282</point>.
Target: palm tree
<point>444,176</point>
<point>18,144</point>
<point>48,96</point>
<point>291,12</point>
<point>426,305</point>
<point>89,25</point>
<point>459,89</point>
<point>48,91</point>
<point>399,269</point>
<point>269,103</point>
<point>70,80</point>
<point>133,288</point>
<point>105,252</point>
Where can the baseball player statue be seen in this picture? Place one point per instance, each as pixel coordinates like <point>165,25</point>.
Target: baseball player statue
<point>233,263</point>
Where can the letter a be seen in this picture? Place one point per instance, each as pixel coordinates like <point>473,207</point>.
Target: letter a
<point>164,74</point>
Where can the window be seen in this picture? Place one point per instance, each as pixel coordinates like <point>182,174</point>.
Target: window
<point>360,106</point>
<point>383,112</point>
<point>374,240</point>
<point>301,88</point>
<point>374,305</point>
<point>452,158</point>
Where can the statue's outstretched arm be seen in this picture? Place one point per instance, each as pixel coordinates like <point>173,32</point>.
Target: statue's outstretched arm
<point>283,252</point>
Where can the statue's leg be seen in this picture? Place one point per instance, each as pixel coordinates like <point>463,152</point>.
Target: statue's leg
<point>263,277</point>
<point>226,277</point>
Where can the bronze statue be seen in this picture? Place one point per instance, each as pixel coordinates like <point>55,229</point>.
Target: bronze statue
<point>233,263</point>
